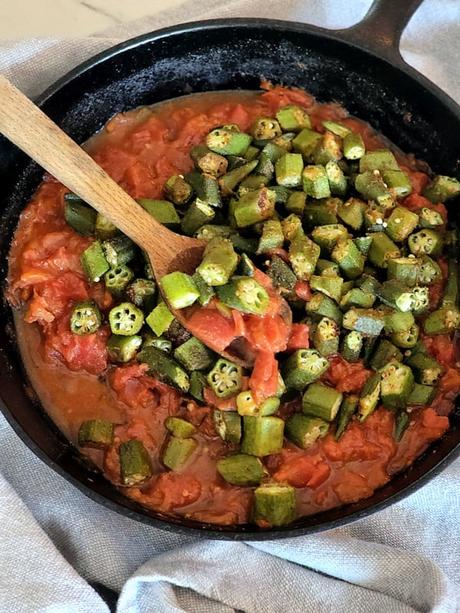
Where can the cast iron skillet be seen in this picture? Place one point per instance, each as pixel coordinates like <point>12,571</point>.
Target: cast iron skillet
<point>360,67</point>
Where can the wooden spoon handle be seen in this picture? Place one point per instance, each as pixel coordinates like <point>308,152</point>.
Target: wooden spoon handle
<point>23,123</point>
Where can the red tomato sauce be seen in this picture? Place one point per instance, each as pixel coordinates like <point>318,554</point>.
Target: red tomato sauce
<point>140,149</point>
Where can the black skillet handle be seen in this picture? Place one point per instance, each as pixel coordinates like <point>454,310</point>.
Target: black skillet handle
<point>381,29</point>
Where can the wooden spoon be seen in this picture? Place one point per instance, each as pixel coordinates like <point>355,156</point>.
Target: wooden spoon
<point>24,124</point>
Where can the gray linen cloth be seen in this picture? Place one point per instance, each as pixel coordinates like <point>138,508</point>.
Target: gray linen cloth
<point>53,540</point>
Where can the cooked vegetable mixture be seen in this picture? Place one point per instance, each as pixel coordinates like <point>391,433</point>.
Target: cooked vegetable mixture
<point>298,204</point>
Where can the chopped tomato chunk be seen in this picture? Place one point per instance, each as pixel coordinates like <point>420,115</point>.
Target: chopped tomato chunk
<point>211,327</point>
<point>263,381</point>
<point>299,338</point>
<point>346,376</point>
<point>302,290</point>
<point>303,471</point>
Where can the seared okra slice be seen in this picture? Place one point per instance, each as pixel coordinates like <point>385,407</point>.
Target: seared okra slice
<point>349,258</point>
<point>385,352</point>
<point>353,146</point>
<point>232,179</point>
<point>327,236</point>
<point>135,464</point>
<point>396,321</point>
<point>321,213</point>
<point>165,368</point>
<point>369,322</point>
<point>241,469</point>
<point>303,255</point>
<point>293,118</point>
<point>397,382</point>
<point>379,159</point>
<point>225,378</point>
<point>96,433</point>
<point>327,268</point>
<point>430,218</point>
<point>425,241</point>
<point>402,421</point>
<point>272,236</point>
<point>161,210</point>
<point>274,505</point>
<point>104,228</point>
<point>219,262</point>
<point>141,292</point>
<point>321,305</point>
<point>159,342</point>
<point>256,205</point>
<point>321,401</point>
<point>337,180</point>
<point>406,339</point>
<point>94,263</point>
<point>330,285</point>
<point>85,318</point>
<point>397,182</point>
<point>405,270</point>
<point>206,292</point>
<point>326,337</point>
<point>289,169</point>
<point>336,128</point>
<point>442,188</point>
<point>401,297</point>
<point>421,395</point>
<point>371,186</point>
<point>442,321</point>
<point>327,149</point>
<point>180,427</point>
<point>304,431</point>
<point>79,216</point>
<point>303,367</point>
<point>179,289</point>
<point>228,426</point>
<point>125,319</point>
<point>369,397</point>
<point>363,243</point>
<point>401,223</point>
<point>193,355</point>
<point>291,225</point>
<point>352,345</point>
<point>351,212</point>
<point>228,142</point>
<point>178,190</point>
<point>367,283</point>
<point>123,349</point>
<point>119,250</point>
<point>315,182</point>
<point>198,382</point>
<point>198,214</point>
<point>426,369</point>
<point>356,297</point>
<point>296,202</point>
<point>262,436</point>
<point>160,319</point>
<point>429,271</point>
<point>306,141</point>
<point>345,414</point>
<point>281,275</point>
<point>213,164</point>
<point>117,279</point>
<point>178,452</point>
<point>382,249</point>
<point>244,294</point>
<point>265,128</point>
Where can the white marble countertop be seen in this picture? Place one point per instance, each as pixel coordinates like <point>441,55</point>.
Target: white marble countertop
<point>31,18</point>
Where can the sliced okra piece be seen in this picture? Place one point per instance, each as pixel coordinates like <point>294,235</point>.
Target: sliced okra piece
<point>397,382</point>
<point>321,305</point>
<point>293,118</point>
<point>265,167</point>
<point>79,216</point>
<point>123,349</point>
<point>85,318</point>
<point>160,319</point>
<point>306,141</point>
<point>125,319</point>
<point>265,128</point>
<point>197,152</point>
<point>321,401</point>
<point>284,141</point>
<point>337,181</point>
<point>179,289</point>
<point>368,283</point>
<point>327,149</point>
<point>327,268</point>
<point>272,236</point>
<point>180,427</point>
<point>371,186</point>
<point>281,275</point>
<point>210,231</point>
<point>282,193</point>
<point>346,412</point>
<point>213,164</point>
<point>405,270</point>
<point>232,179</point>
<point>206,292</point>
<point>397,321</point>
<point>269,406</point>
<point>296,203</point>
<point>369,397</point>
<point>336,128</point>
<point>251,153</point>
<point>244,294</point>
<point>442,321</point>
<point>397,295</point>
<point>421,300</point>
<point>290,226</point>
<point>254,206</point>
<point>93,262</point>
<point>119,250</point>
<point>430,218</point>
<point>398,183</point>
<point>165,368</point>
<point>406,339</point>
<point>159,342</point>
<point>352,345</point>
<point>241,469</point>
<point>228,426</point>
<point>425,241</point>
<point>363,243</point>
<point>104,228</point>
<point>262,436</point>
<point>321,213</point>
<point>243,244</point>
<point>246,405</point>
<point>197,215</point>
<point>347,287</point>
<point>252,182</point>
<point>442,188</point>
<point>347,255</point>
<point>380,159</point>
<point>374,218</point>
<point>178,452</point>
<point>326,337</point>
<point>304,431</point>
<point>135,464</point>
<point>178,190</point>
<point>161,210</point>
<point>117,279</point>
<point>193,355</point>
<point>315,182</point>
<point>382,249</point>
<point>219,262</point>
<point>426,369</point>
<point>225,379</point>
<point>357,297</point>
<point>197,384</point>
<point>228,142</point>
<point>303,255</point>
<point>329,285</point>
<point>327,236</point>
<point>385,352</point>
<point>353,146</point>
<point>369,322</point>
<point>95,433</point>
<point>274,505</point>
<point>272,151</point>
<point>351,212</point>
<point>402,421</point>
<point>302,368</point>
<point>288,169</point>
<point>141,292</point>
<point>429,271</point>
<point>401,223</point>
<point>421,395</point>
<point>450,297</point>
